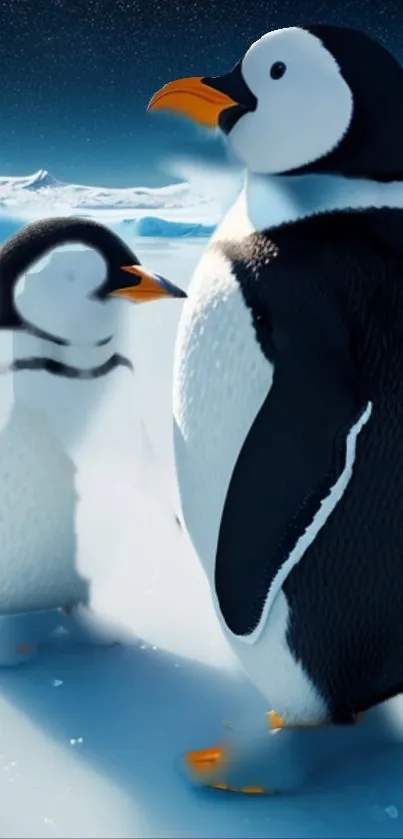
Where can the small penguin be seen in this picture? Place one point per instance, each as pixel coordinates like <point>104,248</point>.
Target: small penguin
<point>58,357</point>
<point>288,395</point>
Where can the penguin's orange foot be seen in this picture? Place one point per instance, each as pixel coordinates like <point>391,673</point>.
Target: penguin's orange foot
<point>204,760</point>
<point>209,767</point>
<point>275,721</point>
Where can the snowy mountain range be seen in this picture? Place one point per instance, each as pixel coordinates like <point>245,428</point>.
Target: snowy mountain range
<point>43,189</point>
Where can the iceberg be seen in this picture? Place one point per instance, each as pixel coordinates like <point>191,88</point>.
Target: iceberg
<point>157,227</point>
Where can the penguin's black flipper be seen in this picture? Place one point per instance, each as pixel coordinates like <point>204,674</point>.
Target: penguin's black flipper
<point>296,461</point>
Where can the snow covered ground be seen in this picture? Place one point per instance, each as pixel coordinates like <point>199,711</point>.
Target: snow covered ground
<point>91,738</point>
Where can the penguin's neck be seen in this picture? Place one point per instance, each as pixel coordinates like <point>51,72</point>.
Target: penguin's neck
<point>270,200</point>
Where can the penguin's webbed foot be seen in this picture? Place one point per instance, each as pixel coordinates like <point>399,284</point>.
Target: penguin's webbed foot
<point>279,758</point>
<point>250,762</point>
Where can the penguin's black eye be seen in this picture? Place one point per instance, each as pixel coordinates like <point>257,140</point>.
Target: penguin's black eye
<point>277,70</point>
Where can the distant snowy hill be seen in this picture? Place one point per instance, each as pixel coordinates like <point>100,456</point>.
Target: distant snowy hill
<point>39,180</point>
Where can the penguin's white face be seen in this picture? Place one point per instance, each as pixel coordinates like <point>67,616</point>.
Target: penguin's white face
<point>54,296</point>
<point>284,106</point>
<point>303,105</point>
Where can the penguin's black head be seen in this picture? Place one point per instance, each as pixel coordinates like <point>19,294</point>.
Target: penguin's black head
<point>304,99</point>
<point>123,276</point>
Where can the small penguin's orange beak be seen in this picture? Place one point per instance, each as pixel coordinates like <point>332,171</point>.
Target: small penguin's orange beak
<point>147,287</point>
<point>193,98</point>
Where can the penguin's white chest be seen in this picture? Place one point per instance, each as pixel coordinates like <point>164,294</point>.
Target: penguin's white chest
<point>221,379</point>
<point>37,522</point>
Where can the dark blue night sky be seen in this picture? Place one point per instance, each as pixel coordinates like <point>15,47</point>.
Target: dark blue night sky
<point>76,75</point>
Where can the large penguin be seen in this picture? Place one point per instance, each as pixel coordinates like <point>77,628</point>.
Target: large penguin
<point>288,394</point>
<point>59,357</point>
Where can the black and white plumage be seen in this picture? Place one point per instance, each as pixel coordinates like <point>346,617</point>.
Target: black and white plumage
<point>60,361</point>
<point>287,394</point>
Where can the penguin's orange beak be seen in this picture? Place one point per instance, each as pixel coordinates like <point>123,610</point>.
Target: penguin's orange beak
<point>193,98</point>
<point>147,287</point>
